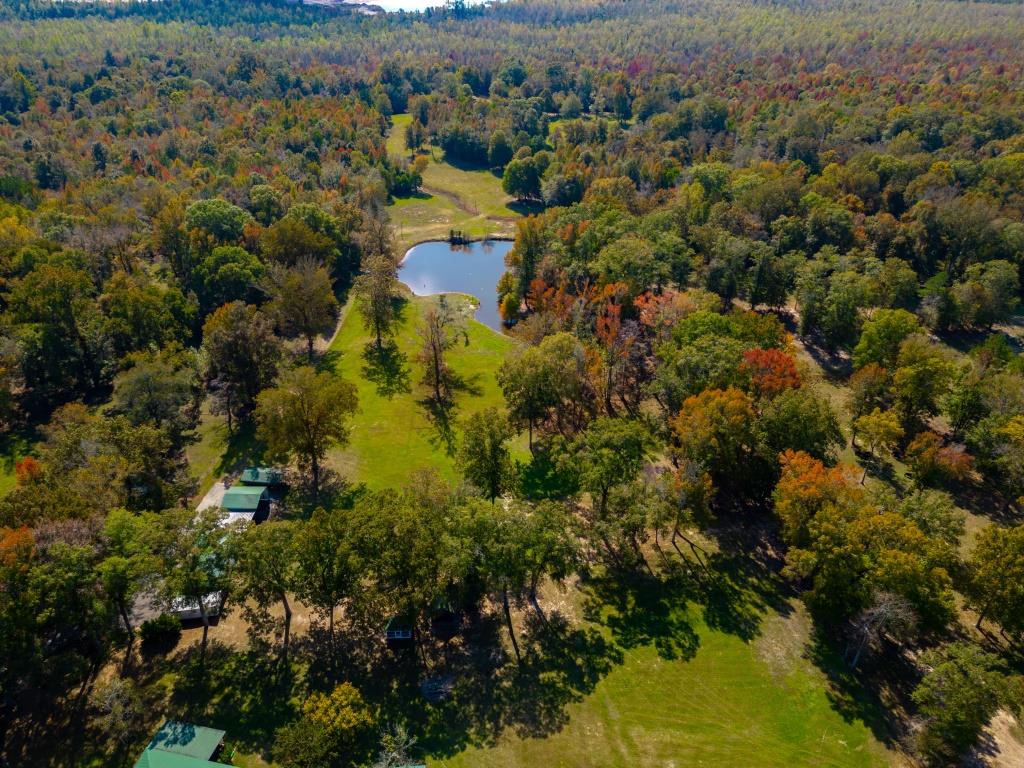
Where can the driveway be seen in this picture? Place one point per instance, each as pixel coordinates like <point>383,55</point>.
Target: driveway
<point>213,497</point>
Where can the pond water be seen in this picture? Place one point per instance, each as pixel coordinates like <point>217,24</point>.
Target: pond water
<point>474,269</point>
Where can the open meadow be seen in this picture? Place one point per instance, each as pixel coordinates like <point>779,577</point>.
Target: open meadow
<point>470,201</point>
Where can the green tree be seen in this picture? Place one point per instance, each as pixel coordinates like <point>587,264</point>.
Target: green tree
<point>159,389</point>
<point>922,377</point>
<point>632,260</point>
<point>64,345</point>
<point>375,289</point>
<point>800,420</point>
<point>326,562</point>
<point>141,313</point>
<point>522,179</point>
<point>438,333</point>
<point>127,565</point>
<point>881,431</point>
<point>571,107</point>
<point>988,294</point>
<point>240,356</point>
<point>265,204</point>
<point>499,150</point>
<point>334,730</point>
<point>610,452</point>
<point>870,388</point>
<point>961,689</point>
<point>215,222</point>
<point>996,577</point>
<point>228,273</point>
<point>305,415</point>
<point>484,455</point>
<point>500,535</point>
<point>194,560</point>
<point>291,240</point>
<point>882,336</point>
<point>302,301</point>
<point>265,573</point>
<point>546,385</point>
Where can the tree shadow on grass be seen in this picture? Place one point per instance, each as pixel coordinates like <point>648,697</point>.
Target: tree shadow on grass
<point>640,610</point>
<point>873,695</point>
<point>443,413</point>
<point>540,478</point>
<point>328,361</point>
<point>878,468</point>
<point>487,692</point>
<point>492,694</point>
<point>387,367</point>
<point>335,492</point>
<point>526,207</point>
<point>467,385</point>
<point>743,587</point>
<point>442,417</point>
<point>243,692</point>
<point>243,449</point>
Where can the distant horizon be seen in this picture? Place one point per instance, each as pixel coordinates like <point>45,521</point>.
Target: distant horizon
<point>407,5</point>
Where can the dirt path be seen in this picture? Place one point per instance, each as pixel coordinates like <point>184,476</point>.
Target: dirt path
<point>454,198</point>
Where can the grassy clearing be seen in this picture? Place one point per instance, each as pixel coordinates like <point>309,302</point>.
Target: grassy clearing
<point>396,429</point>
<point>631,672</point>
<point>686,694</point>
<point>469,200</point>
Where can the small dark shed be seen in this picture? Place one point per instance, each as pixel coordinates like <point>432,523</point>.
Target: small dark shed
<point>400,632</point>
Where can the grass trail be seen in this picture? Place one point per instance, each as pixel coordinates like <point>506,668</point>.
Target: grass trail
<point>469,200</point>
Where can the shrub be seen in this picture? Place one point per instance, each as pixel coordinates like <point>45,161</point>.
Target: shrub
<point>164,630</point>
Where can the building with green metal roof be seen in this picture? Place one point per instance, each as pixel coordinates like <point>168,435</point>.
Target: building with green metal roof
<point>262,476</point>
<point>246,502</point>
<point>244,498</point>
<point>182,745</point>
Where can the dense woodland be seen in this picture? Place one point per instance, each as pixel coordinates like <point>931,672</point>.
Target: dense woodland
<point>770,287</point>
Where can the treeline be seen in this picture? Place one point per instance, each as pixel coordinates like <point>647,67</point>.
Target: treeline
<point>187,188</point>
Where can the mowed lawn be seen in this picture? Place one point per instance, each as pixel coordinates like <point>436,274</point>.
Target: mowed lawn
<point>396,430</point>
<point>734,704</point>
<point>469,200</point>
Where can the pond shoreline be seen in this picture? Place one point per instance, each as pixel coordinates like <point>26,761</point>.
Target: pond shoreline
<point>465,241</point>
<point>473,269</point>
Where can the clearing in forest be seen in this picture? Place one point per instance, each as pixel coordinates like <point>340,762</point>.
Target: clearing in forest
<point>469,200</point>
<point>398,429</point>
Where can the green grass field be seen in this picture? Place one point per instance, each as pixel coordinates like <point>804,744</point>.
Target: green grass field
<point>396,430</point>
<point>736,702</point>
<point>470,200</point>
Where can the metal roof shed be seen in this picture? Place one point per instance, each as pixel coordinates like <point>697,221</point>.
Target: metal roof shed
<point>244,499</point>
<point>181,745</point>
<point>262,476</point>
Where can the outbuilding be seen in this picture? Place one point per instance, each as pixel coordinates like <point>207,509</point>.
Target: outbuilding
<point>400,632</point>
<point>246,502</point>
<point>182,745</point>
<point>268,477</point>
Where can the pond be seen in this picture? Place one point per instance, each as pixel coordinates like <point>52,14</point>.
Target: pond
<point>474,269</point>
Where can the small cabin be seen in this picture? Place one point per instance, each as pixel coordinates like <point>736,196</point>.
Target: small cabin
<point>400,632</point>
<point>182,745</point>
<point>246,502</point>
<point>267,477</point>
